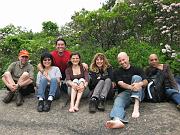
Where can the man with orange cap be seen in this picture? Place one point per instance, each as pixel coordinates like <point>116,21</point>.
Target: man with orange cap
<point>18,79</point>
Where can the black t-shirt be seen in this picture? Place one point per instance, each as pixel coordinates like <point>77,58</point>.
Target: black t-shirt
<point>125,75</point>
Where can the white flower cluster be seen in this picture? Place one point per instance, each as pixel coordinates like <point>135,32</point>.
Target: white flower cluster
<point>168,51</point>
<point>1,36</point>
<point>168,13</point>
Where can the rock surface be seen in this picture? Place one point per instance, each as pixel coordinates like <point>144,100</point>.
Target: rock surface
<point>155,119</point>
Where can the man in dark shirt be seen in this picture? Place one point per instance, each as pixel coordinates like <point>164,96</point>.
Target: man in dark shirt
<point>169,88</point>
<point>130,81</point>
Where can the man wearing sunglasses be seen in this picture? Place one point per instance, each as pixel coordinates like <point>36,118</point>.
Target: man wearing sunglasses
<point>18,79</point>
<point>169,88</point>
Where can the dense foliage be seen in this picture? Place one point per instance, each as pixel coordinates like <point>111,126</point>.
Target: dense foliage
<point>138,28</point>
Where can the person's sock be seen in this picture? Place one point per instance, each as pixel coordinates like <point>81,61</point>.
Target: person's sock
<point>116,118</point>
<point>102,98</point>
<point>94,98</point>
<point>41,98</point>
<point>50,98</point>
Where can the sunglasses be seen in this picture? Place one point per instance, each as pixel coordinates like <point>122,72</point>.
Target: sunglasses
<point>24,57</point>
<point>48,59</point>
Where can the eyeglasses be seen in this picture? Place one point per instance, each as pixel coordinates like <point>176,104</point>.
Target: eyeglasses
<point>47,59</point>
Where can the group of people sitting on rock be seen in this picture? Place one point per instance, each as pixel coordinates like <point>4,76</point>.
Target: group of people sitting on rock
<point>62,69</point>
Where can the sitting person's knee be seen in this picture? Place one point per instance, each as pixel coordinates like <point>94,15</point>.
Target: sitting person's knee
<point>54,80</point>
<point>7,73</point>
<point>76,81</point>
<point>136,78</point>
<point>108,80</point>
<point>82,80</point>
<point>25,74</point>
<point>44,78</point>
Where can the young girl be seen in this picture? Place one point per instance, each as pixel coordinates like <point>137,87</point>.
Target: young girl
<point>101,76</point>
<point>77,80</point>
<point>50,77</point>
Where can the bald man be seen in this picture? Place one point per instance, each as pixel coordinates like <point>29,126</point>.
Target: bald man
<point>169,87</point>
<point>131,82</point>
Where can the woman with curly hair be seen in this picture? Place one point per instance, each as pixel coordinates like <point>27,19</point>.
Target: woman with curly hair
<point>100,83</point>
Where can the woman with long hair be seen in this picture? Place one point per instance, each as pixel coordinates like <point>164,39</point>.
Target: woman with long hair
<point>77,80</point>
<point>100,83</point>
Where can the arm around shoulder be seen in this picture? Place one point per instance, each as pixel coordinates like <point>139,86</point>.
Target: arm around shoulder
<point>40,68</point>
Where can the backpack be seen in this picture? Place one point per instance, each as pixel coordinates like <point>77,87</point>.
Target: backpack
<point>155,90</point>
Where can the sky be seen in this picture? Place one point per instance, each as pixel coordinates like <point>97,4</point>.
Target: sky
<point>30,14</point>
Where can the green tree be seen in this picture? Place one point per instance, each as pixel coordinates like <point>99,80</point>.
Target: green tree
<point>50,28</point>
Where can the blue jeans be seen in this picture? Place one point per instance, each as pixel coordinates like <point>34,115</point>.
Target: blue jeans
<point>124,99</point>
<point>53,91</point>
<point>173,94</point>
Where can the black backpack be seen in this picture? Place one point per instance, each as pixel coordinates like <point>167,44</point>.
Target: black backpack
<point>155,90</point>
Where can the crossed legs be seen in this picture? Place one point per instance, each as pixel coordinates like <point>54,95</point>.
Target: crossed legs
<point>23,81</point>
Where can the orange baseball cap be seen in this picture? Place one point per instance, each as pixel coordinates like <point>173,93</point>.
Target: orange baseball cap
<point>24,53</point>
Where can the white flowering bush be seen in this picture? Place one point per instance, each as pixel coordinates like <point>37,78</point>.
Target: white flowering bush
<point>167,22</point>
<point>168,51</point>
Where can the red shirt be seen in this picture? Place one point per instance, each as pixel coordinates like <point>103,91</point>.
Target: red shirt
<point>61,61</point>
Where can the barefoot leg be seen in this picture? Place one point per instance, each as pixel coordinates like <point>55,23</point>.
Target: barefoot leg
<point>73,96</point>
<point>136,113</point>
<point>76,106</point>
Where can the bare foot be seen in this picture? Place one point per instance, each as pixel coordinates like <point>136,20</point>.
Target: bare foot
<point>71,110</point>
<point>135,114</point>
<point>76,109</point>
<point>114,124</point>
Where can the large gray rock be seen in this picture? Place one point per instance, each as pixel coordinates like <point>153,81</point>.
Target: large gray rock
<point>155,119</point>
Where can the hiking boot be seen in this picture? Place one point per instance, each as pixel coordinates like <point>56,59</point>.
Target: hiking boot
<point>19,99</point>
<point>8,98</point>
<point>178,107</point>
<point>101,105</point>
<point>40,106</point>
<point>47,106</point>
<point>92,105</point>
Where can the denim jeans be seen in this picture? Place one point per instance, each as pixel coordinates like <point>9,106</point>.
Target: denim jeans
<point>53,91</point>
<point>124,99</point>
<point>173,94</point>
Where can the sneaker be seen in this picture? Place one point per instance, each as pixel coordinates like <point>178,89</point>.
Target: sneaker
<point>47,106</point>
<point>8,98</point>
<point>178,107</point>
<point>40,106</point>
<point>19,99</point>
<point>101,105</point>
<point>92,105</point>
